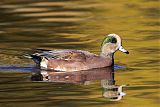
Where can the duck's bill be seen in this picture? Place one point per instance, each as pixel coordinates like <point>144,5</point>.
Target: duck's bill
<point>123,50</point>
<point>122,94</point>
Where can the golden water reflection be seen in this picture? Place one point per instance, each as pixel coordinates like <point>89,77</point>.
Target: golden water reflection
<point>110,90</point>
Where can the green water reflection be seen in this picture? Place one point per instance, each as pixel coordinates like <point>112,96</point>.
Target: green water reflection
<point>77,24</point>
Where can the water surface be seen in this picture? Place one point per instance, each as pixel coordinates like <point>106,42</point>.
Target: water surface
<point>79,24</point>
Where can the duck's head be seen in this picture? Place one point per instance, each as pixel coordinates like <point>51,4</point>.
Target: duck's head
<point>111,44</point>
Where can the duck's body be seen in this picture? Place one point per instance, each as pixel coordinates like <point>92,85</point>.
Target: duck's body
<point>70,60</point>
<point>75,60</point>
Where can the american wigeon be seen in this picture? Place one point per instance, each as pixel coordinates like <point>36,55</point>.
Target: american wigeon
<point>77,60</point>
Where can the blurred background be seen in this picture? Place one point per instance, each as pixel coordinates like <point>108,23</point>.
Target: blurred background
<point>79,24</point>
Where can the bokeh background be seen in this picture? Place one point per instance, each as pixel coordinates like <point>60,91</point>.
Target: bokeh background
<point>79,24</point>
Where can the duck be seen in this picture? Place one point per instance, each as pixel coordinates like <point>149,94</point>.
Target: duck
<point>78,60</point>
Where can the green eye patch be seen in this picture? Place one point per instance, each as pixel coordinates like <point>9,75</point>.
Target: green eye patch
<point>109,39</point>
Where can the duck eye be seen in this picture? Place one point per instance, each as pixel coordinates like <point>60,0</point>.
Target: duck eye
<point>114,40</point>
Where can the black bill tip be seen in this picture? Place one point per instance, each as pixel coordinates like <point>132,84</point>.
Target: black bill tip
<point>127,52</point>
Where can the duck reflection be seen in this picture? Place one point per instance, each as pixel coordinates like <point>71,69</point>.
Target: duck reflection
<point>110,91</point>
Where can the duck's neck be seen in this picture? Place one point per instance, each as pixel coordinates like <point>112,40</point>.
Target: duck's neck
<point>107,55</point>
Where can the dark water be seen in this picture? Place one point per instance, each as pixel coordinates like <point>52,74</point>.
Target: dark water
<point>78,24</point>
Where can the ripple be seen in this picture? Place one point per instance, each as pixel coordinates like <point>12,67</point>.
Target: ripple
<point>47,14</point>
<point>60,19</point>
<point>50,4</point>
<point>10,6</point>
<point>30,9</point>
<point>148,50</point>
<point>17,68</point>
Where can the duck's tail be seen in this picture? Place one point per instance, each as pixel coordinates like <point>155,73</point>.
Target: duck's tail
<point>37,59</point>
<point>36,55</point>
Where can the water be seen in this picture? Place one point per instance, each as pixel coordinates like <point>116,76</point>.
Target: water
<point>77,24</point>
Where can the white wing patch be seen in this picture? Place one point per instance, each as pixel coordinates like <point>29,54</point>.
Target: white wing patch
<point>44,63</point>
